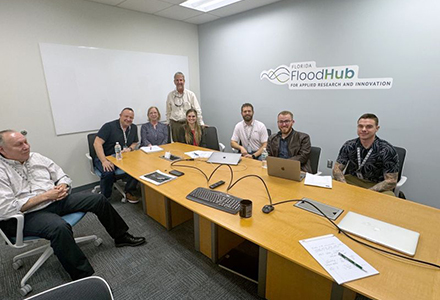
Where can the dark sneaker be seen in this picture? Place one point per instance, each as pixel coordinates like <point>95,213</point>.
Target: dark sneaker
<point>131,198</point>
<point>129,240</point>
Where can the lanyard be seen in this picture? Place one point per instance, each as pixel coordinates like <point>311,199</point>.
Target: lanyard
<point>176,94</point>
<point>248,137</point>
<point>125,136</point>
<point>361,164</point>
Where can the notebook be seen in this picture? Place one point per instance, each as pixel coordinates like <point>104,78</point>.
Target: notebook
<point>382,233</point>
<point>284,168</point>
<point>225,158</point>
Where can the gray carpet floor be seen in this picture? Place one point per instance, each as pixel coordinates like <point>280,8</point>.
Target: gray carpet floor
<point>167,267</point>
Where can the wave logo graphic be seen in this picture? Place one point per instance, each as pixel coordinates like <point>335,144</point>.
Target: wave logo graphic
<point>280,75</point>
<point>307,76</point>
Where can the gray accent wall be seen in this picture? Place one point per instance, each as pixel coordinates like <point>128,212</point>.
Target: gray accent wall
<point>397,39</point>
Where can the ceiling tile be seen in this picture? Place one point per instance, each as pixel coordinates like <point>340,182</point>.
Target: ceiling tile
<point>177,12</point>
<point>200,19</point>
<point>109,2</point>
<point>174,1</point>
<point>239,7</point>
<point>147,6</point>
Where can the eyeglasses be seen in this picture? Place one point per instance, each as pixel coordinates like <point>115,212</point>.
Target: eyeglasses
<point>284,122</point>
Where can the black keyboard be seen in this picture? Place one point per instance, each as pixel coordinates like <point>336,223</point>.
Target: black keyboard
<point>215,199</point>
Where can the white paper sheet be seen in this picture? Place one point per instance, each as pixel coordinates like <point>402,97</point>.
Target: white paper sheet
<point>316,180</point>
<point>199,154</point>
<point>325,249</point>
<point>151,149</point>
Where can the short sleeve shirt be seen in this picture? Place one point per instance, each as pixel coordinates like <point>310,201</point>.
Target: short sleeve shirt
<point>382,160</point>
<point>251,136</point>
<point>111,133</point>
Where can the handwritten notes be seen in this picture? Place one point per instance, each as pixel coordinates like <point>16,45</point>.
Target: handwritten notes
<point>347,267</point>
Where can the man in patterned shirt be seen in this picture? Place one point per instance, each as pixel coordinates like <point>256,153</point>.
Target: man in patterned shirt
<point>373,163</point>
<point>35,186</point>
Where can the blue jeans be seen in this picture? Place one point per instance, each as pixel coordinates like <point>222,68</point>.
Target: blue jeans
<point>108,178</point>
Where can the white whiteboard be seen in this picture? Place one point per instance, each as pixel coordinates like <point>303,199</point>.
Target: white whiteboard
<point>90,86</point>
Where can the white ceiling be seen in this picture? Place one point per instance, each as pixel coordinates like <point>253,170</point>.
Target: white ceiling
<point>172,10</point>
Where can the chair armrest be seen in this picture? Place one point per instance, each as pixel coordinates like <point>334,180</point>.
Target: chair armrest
<point>399,185</point>
<point>18,234</point>
<point>222,147</point>
<point>92,168</point>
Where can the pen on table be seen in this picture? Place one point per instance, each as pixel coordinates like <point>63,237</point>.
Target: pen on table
<point>351,261</point>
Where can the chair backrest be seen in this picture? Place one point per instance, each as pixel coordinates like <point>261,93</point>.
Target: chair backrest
<point>91,139</point>
<point>314,159</point>
<point>92,287</point>
<point>269,132</point>
<point>401,152</point>
<point>169,133</point>
<point>211,138</point>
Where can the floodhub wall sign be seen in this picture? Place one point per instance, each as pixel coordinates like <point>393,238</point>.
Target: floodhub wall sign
<point>307,76</point>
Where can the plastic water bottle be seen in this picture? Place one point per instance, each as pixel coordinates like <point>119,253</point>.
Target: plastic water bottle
<point>118,151</point>
<point>264,155</point>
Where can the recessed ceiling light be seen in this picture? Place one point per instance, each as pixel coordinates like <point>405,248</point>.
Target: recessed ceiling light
<point>207,5</point>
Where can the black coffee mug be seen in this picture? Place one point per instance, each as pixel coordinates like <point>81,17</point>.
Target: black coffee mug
<point>245,208</point>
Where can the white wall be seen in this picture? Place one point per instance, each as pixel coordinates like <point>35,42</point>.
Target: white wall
<point>23,94</point>
<point>397,39</point>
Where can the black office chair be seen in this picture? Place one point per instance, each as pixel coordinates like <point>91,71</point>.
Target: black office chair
<point>401,152</point>
<point>169,133</point>
<point>92,287</point>
<point>269,132</point>
<point>119,174</point>
<point>314,159</point>
<point>211,138</point>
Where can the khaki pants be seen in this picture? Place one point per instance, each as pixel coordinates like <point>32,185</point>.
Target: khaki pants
<point>353,180</point>
<point>175,129</point>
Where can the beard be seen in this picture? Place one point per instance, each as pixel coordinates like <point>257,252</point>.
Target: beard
<point>247,118</point>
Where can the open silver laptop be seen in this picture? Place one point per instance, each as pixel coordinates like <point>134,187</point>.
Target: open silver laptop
<point>224,158</point>
<point>284,168</point>
<point>382,233</point>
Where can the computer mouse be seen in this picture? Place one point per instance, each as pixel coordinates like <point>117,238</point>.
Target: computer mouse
<point>267,209</point>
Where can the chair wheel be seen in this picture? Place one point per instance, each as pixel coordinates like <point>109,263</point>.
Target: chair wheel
<point>17,264</point>
<point>97,242</point>
<point>25,290</point>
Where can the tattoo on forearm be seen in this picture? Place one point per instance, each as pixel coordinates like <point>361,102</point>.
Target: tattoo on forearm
<point>337,172</point>
<point>388,184</point>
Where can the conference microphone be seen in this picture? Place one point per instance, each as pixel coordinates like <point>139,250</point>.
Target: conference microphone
<point>268,208</point>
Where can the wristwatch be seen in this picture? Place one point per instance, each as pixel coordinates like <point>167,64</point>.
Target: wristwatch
<point>253,156</point>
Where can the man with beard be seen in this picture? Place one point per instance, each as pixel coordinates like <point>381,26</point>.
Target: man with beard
<point>289,143</point>
<point>250,136</point>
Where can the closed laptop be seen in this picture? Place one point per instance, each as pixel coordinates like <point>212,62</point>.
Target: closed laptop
<point>385,234</point>
<point>225,158</point>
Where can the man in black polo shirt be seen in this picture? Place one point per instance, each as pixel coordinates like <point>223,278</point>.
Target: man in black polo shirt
<point>289,143</point>
<point>125,132</point>
<point>373,162</point>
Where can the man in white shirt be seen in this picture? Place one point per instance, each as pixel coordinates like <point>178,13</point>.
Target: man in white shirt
<point>35,186</point>
<point>178,102</point>
<point>250,136</point>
